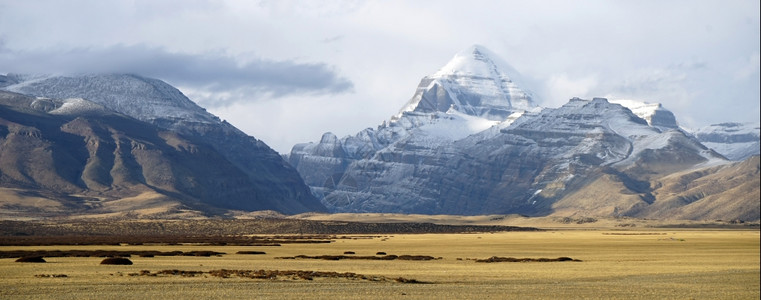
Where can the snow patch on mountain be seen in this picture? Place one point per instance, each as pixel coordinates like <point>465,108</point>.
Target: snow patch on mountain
<point>653,113</point>
<point>145,99</point>
<point>736,141</point>
<point>78,106</point>
<point>450,126</point>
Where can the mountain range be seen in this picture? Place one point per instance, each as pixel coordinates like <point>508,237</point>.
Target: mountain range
<point>470,141</point>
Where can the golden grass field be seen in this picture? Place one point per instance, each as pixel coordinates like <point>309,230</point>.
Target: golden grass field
<point>632,264</point>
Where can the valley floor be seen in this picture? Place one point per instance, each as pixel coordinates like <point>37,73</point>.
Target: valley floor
<point>614,263</point>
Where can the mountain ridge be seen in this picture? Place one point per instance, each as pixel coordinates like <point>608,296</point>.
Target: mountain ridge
<point>531,161</point>
<point>257,177</point>
<point>470,141</point>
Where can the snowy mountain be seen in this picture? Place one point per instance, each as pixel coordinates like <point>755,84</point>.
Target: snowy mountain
<point>524,167</point>
<point>736,141</point>
<point>475,82</point>
<point>470,94</point>
<point>471,141</point>
<point>165,141</point>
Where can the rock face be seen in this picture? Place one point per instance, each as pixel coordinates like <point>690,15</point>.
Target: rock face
<point>470,142</point>
<point>117,136</point>
<point>736,141</point>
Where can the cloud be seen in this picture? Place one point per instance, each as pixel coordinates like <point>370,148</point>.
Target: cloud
<point>749,69</point>
<point>653,81</point>
<point>209,72</point>
<point>561,87</point>
<point>305,50</point>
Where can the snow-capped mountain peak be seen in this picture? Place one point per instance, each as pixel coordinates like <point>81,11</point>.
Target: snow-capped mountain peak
<point>474,82</point>
<point>477,61</point>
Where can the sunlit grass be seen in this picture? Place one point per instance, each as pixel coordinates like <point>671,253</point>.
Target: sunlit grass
<point>668,264</point>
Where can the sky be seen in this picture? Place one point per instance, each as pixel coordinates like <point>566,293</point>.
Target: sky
<point>287,71</point>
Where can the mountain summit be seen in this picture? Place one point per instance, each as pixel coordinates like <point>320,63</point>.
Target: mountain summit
<point>471,141</point>
<point>473,92</point>
<point>470,94</point>
<point>474,82</point>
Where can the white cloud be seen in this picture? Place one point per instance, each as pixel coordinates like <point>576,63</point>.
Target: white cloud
<point>223,78</point>
<point>639,49</point>
<point>561,87</point>
<point>281,123</point>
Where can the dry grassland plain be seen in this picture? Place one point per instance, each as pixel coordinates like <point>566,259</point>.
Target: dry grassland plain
<point>632,264</point>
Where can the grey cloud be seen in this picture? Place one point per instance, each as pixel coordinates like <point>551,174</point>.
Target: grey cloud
<point>212,72</point>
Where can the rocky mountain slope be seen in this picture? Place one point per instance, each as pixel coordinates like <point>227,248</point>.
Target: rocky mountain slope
<point>87,140</point>
<point>736,141</point>
<point>470,141</point>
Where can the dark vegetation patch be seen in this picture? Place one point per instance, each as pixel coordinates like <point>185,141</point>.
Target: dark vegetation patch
<point>196,240</point>
<point>102,253</point>
<point>31,259</point>
<point>513,259</point>
<point>174,272</point>
<point>273,275</point>
<point>634,233</point>
<point>340,257</point>
<point>51,275</point>
<point>215,231</point>
<point>349,252</point>
<point>116,261</point>
<point>580,220</point>
<point>251,252</point>
<point>380,253</point>
<point>408,280</point>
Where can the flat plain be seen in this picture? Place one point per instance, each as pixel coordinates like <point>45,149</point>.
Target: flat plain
<point>613,263</point>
